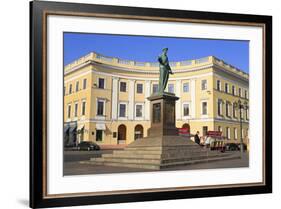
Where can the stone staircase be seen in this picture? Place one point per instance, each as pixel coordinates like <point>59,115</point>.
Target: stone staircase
<point>159,152</point>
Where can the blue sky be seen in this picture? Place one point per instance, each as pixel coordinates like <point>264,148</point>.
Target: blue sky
<point>147,48</point>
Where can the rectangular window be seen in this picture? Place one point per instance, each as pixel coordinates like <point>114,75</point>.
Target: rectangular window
<point>247,114</point>
<point>171,88</point>
<point>218,85</point>
<point>77,86</point>
<point>99,135</point>
<point>64,90</point>
<point>227,132</point>
<point>154,88</point>
<point>220,129</point>
<point>185,109</point>
<point>100,109</point>
<point>246,94</point>
<point>84,83</point>
<point>138,110</point>
<point>242,113</point>
<point>75,109</point>
<point>233,90</point>
<point>139,88</point>
<point>239,92</point>
<point>227,109</point>
<point>83,108</point>
<point>220,108</point>
<point>101,83</point>
<point>226,87</point>
<point>204,108</point>
<point>205,130</point>
<point>122,110</point>
<point>69,111</point>
<point>234,111</point>
<point>123,86</point>
<point>70,89</point>
<point>203,84</point>
<point>235,134</point>
<point>186,87</point>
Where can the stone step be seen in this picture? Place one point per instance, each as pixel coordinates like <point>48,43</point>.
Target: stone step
<point>205,160</point>
<point>132,155</point>
<point>145,152</point>
<point>149,159</point>
<point>151,166</point>
<point>144,148</point>
<point>128,165</point>
<point>128,160</point>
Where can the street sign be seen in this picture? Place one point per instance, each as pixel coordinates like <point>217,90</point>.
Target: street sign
<point>214,133</point>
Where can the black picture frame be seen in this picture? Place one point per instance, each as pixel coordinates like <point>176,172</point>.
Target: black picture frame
<point>38,99</point>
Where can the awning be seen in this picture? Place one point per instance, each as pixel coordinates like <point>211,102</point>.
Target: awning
<point>65,129</point>
<point>72,129</point>
<point>100,126</point>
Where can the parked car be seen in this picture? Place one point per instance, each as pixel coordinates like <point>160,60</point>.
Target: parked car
<point>88,146</point>
<point>244,146</point>
<point>231,147</point>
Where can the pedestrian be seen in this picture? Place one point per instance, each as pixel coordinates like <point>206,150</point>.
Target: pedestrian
<point>196,138</point>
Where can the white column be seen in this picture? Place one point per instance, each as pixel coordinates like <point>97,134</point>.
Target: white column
<point>178,102</point>
<point>193,98</point>
<point>114,102</point>
<point>131,106</point>
<point>147,102</point>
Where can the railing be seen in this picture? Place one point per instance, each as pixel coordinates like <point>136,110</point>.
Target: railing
<point>185,63</point>
<point>124,62</point>
<point>202,60</point>
<point>104,58</point>
<point>210,59</point>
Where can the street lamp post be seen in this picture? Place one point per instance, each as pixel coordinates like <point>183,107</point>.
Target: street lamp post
<point>241,106</point>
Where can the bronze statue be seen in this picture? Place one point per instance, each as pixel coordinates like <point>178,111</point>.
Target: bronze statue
<point>164,69</point>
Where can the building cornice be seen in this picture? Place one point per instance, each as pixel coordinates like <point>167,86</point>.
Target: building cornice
<point>152,67</point>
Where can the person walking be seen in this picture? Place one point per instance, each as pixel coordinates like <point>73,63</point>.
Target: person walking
<point>196,138</point>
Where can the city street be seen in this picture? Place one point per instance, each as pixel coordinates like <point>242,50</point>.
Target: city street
<point>74,155</point>
<point>72,165</point>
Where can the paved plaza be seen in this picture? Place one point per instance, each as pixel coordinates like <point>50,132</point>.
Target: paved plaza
<point>73,165</point>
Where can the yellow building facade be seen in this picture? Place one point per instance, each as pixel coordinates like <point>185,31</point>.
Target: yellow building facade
<point>105,98</point>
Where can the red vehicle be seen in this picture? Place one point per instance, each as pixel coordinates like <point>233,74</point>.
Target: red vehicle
<point>215,141</point>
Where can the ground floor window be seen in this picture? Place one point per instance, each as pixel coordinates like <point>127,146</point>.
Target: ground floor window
<point>205,130</point>
<point>235,134</point>
<point>227,132</point>
<point>185,109</point>
<point>99,135</point>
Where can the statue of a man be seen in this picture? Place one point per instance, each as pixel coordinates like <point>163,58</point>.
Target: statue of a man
<point>164,69</point>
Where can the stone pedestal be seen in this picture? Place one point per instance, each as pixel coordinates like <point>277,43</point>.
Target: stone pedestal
<point>162,108</point>
<point>162,147</point>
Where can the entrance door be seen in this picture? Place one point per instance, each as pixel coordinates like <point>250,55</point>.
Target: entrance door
<point>122,134</point>
<point>187,126</point>
<point>138,132</point>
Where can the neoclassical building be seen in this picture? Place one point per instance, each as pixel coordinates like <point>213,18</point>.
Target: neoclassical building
<point>105,98</point>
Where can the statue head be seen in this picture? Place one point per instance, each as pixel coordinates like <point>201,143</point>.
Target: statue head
<point>165,50</point>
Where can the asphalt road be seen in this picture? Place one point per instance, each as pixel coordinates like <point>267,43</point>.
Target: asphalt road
<point>74,156</point>
<point>74,167</point>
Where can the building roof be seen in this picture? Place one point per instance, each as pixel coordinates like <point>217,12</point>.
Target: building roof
<point>152,67</point>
